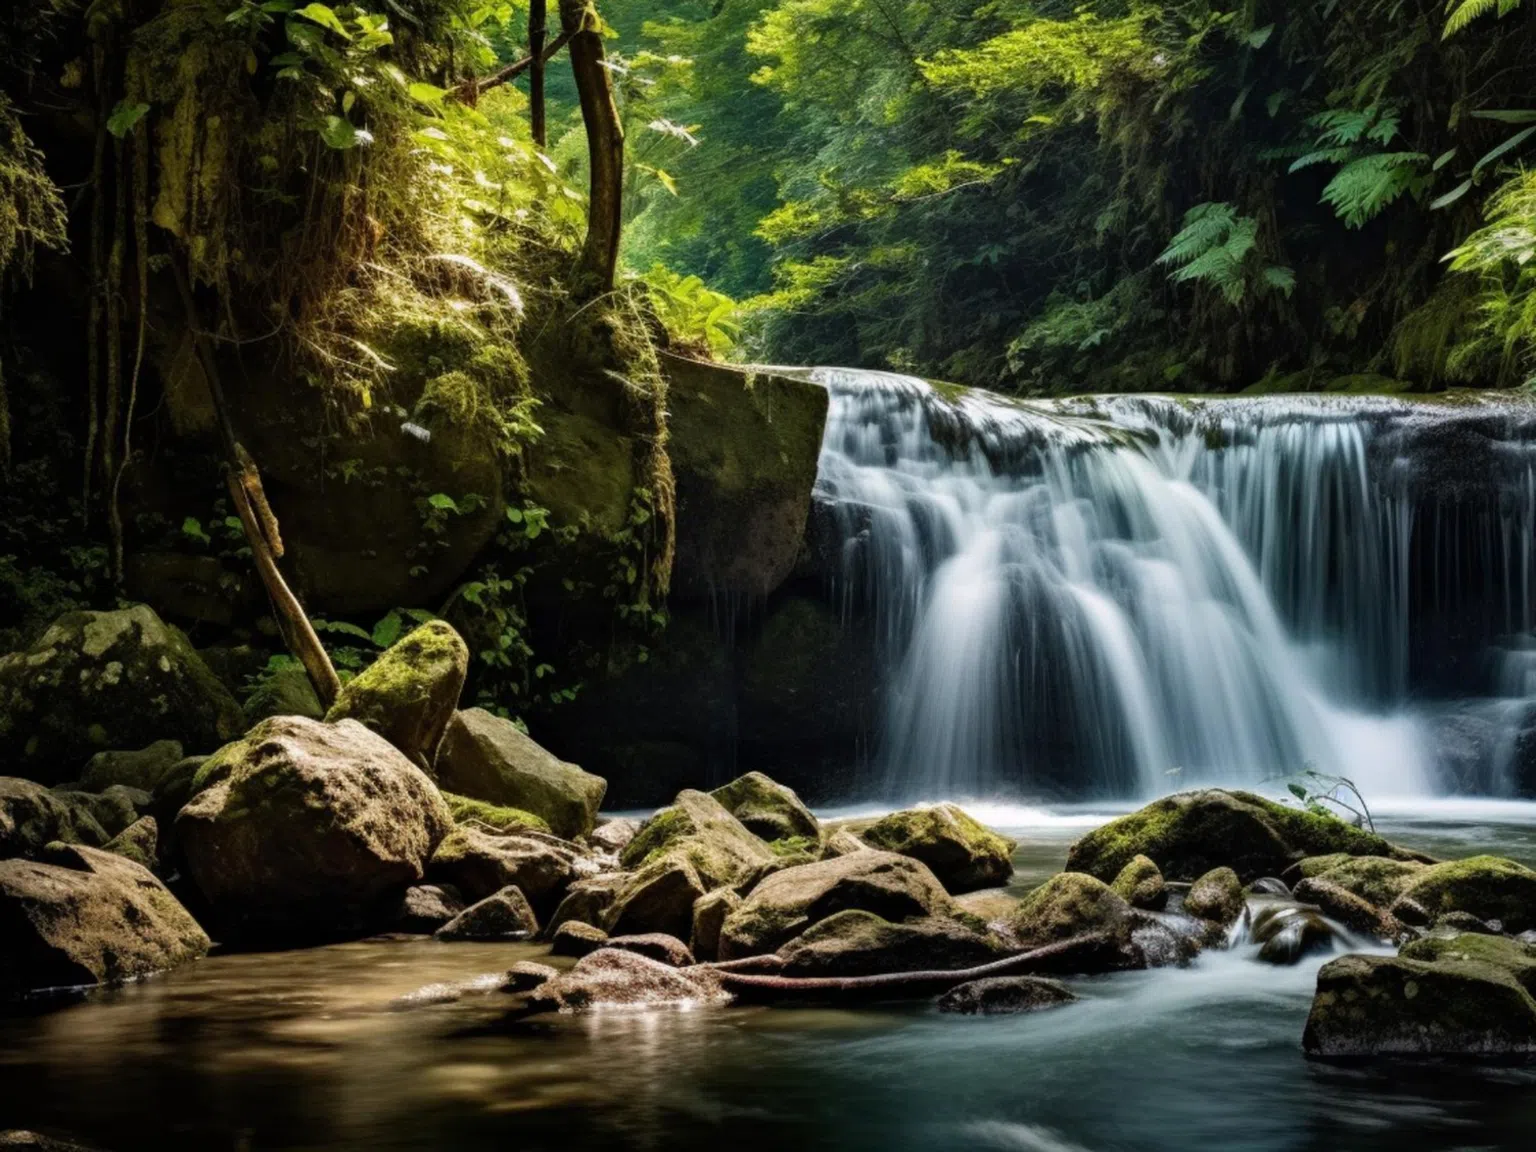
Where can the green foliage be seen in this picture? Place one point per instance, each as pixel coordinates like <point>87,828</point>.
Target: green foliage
<point>1324,795</point>
<point>691,311</point>
<point>1214,247</point>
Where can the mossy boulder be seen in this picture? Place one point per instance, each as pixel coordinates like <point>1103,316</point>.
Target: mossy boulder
<point>284,691</point>
<point>1392,1006</point>
<point>658,898</point>
<point>1488,887</point>
<point>613,978</point>
<point>492,816</point>
<point>138,842</point>
<point>500,916</point>
<point>859,943</point>
<point>1217,896</point>
<point>114,809</point>
<point>481,863</point>
<point>963,853</point>
<point>1378,880</point>
<point>767,809</point>
<point>103,680</point>
<point>32,817</point>
<point>785,904</point>
<point>1354,912</point>
<point>1514,956</point>
<point>488,758</point>
<point>697,827</point>
<point>1190,833</point>
<point>85,916</point>
<point>1140,884</point>
<point>1069,904</point>
<point>302,829</point>
<point>1006,996</point>
<point>408,695</point>
<point>141,769</point>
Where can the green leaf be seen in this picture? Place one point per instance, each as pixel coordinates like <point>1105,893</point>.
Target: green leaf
<point>341,627</point>
<point>388,630</point>
<point>1452,196</point>
<point>1443,159</point>
<point>1508,116</point>
<point>124,117</point>
<point>1509,145</point>
<point>193,527</point>
<point>427,93</point>
<point>1259,36</point>
<point>323,15</point>
<point>442,502</point>
<point>1297,791</point>
<point>340,133</point>
<point>515,515</point>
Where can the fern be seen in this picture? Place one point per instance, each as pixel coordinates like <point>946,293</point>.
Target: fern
<point>1363,187</point>
<point>1465,12</point>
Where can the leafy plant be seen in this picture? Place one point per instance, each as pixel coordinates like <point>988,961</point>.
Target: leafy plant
<point>692,311</point>
<point>1215,247</point>
<point>1325,795</point>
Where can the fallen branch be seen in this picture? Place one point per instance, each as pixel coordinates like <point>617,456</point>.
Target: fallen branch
<point>472,88</point>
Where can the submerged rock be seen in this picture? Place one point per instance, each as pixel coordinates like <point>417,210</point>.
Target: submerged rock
<point>409,694</point>
<point>1286,933</point>
<point>500,916</point>
<point>1140,884</point>
<point>767,809</point>
<point>31,817</point>
<point>573,938</point>
<point>1488,887</point>
<point>1006,996</point>
<point>1217,896</point>
<point>859,943</point>
<point>786,903</point>
<point>1190,833</point>
<point>481,863</point>
<point>610,978</point>
<point>696,827</point>
<point>100,680</point>
<point>487,758</point>
<point>657,946</point>
<point>1070,904</point>
<point>303,829</point>
<point>964,854</point>
<point>87,917</point>
<point>142,769</point>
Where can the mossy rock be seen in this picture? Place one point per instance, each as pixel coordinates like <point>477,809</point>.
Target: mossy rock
<point>1069,904</point>
<point>1140,884</point>
<point>1190,833</point>
<point>409,694</point>
<point>500,916</point>
<point>480,863</point>
<point>768,809</point>
<point>1488,887</point>
<point>698,828</point>
<point>860,943</point>
<point>495,816</point>
<point>285,691</point>
<point>32,817</point>
<point>1217,896</point>
<point>141,769</point>
<point>658,898</point>
<point>103,680</point>
<point>963,853</point>
<point>1354,912</point>
<point>1006,996</point>
<point>1514,956</point>
<point>1378,880</point>
<point>138,842</point>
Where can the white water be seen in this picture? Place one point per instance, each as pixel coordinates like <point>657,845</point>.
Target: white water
<point>1117,599</point>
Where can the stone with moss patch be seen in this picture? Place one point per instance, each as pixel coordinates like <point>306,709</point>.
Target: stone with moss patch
<point>860,943</point>
<point>32,817</point>
<point>493,816</point>
<point>1217,896</point>
<point>1069,904</point>
<point>963,853</point>
<point>1514,956</point>
<point>768,809</point>
<point>1488,887</point>
<point>138,842</point>
<point>1140,884</point>
<point>1378,880</point>
<point>409,694</point>
<point>697,828</point>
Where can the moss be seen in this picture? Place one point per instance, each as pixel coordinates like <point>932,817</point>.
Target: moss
<point>795,846</point>
<point>409,694</point>
<point>656,836</point>
<point>1140,884</point>
<point>698,829</point>
<point>1068,904</point>
<point>768,809</point>
<point>1489,887</point>
<point>962,852</point>
<point>1375,879</point>
<point>496,816</point>
<point>1513,956</point>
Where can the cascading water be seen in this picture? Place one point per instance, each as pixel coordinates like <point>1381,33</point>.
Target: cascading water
<point>1119,597</point>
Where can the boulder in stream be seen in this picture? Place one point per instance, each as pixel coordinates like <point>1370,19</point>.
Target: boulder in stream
<point>424,908</point>
<point>767,809</point>
<point>1217,897</point>
<point>657,946</point>
<point>611,978</point>
<point>658,898</point>
<point>1006,996</point>
<point>1069,904</point>
<point>1140,884</point>
<point>573,938</point>
<point>859,943</point>
<point>696,827</point>
<point>963,853</point>
<point>1378,880</point>
<point>480,863</point>
<point>409,694</point>
<point>1488,887</point>
<point>500,916</point>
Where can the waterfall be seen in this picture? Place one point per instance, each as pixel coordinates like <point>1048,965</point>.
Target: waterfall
<point>1121,596</point>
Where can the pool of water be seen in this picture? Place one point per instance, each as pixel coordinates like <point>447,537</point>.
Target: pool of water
<point>357,1046</point>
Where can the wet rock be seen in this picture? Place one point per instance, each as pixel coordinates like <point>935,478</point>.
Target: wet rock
<point>31,817</point>
<point>480,863</point>
<point>409,694</point>
<point>100,680</point>
<point>786,903</point>
<point>1140,884</point>
<point>1286,933</point>
<point>657,946</point>
<point>964,854</point>
<point>1270,886</point>
<point>500,916</point>
<point>1190,833</point>
<point>858,943</point>
<point>492,817</point>
<point>305,829</point>
<point>1069,904</point>
<point>1217,896</point>
<point>1339,903</point>
<point>488,758</point>
<point>141,770</point>
<point>1006,996</point>
<point>1513,956</point>
<point>424,908</point>
<point>16,1138</point>
<point>1377,880</point>
<point>283,691</point>
<point>114,809</point>
<point>1488,887</point>
<point>1466,922</point>
<point>87,917</point>
<point>139,842</point>
<point>612,835</point>
<point>590,900</point>
<point>658,898</point>
<point>841,842</point>
<point>525,976</point>
<point>696,827</point>
<point>610,978</point>
<point>573,938</point>
<point>1391,1006</point>
<point>709,915</point>
<point>768,810</point>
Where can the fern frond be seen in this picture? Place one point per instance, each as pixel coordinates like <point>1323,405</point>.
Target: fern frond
<point>1465,12</point>
<point>1205,226</point>
<point>1363,188</point>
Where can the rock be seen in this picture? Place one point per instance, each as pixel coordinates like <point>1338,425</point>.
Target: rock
<point>488,758</point>
<point>16,1138</point>
<point>283,691</point>
<point>409,694</point>
<point>525,976</point>
<point>590,900</point>
<point>1339,903</point>
<point>173,791</point>
<point>842,841</point>
<point>709,915</point>
<point>31,817</point>
<point>1217,896</point>
<point>138,842</point>
<point>698,828</point>
<point>612,835</point>
<point>1006,996</point>
<point>1140,884</point>
<point>87,917</point>
<point>962,853</point>
<point>859,943</point>
<point>494,817</point>
<point>114,809</point>
<point>141,770</point>
<point>786,903</point>
<point>499,916</point>
<point>1488,887</point>
<point>1391,1006</point>
<point>1377,880</point>
<point>1466,922</point>
<point>1190,833</point>
<point>768,810</point>
<point>98,680</point>
<point>1513,956</point>
<point>303,829</point>
<point>1069,904</point>
<point>994,905</point>
<point>610,978</point>
<point>573,938</point>
<point>1286,933</point>
<point>480,863</point>
<point>657,946</point>
<point>658,898</point>
<point>1270,886</point>
<point>424,908</point>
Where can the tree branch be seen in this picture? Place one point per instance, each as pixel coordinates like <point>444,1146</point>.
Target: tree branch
<point>472,88</point>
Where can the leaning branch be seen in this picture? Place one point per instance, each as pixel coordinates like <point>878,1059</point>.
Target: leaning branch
<point>472,88</point>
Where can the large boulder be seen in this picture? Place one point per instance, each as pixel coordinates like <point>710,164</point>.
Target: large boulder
<point>31,817</point>
<point>304,829</point>
<point>658,898</point>
<point>480,863</point>
<point>767,809</point>
<point>141,769</point>
<point>1188,834</point>
<point>859,943</point>
<point>964,854</point>
<point>785,904</point>
<point>1069,904</point>
<point>101,680</point>
<point>87,917</point>
<point>1378,880</point>
<point>697,828</point>
<point>1391,1006</point>
<point>499,916</point>
<point>1488,887</point>
<point>409,694</point>
<point>614,978</point>
<point>488,758</point>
